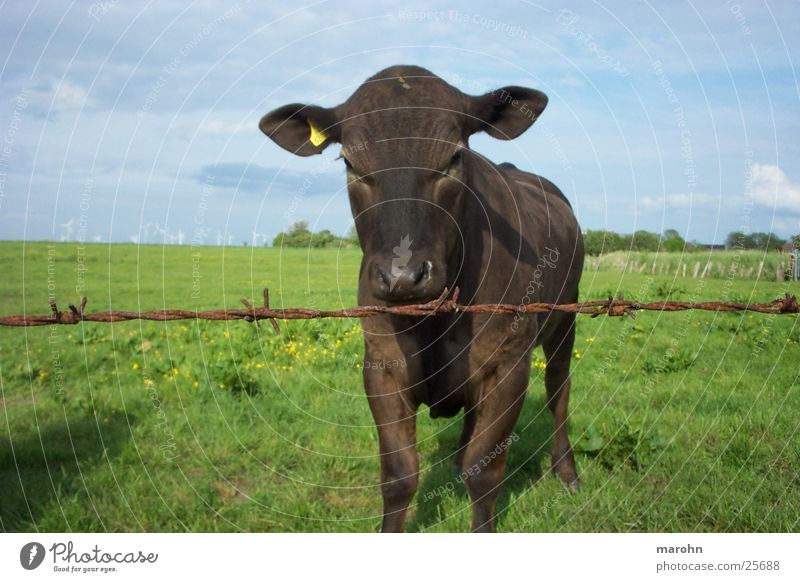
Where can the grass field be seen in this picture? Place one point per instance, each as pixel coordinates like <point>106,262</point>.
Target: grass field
<point>767,266</point>
<point>681,422</point>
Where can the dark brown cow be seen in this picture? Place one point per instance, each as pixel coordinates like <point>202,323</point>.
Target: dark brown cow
<point>431,213</point>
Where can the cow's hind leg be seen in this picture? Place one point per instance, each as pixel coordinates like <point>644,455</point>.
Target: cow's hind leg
<point>558,351</point>
<point>395,418</point>
<point>484,465</point>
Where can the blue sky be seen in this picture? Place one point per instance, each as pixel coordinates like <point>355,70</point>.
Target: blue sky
<point>130,121</point>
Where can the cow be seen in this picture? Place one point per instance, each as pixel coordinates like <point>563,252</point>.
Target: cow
<point>432,214</point>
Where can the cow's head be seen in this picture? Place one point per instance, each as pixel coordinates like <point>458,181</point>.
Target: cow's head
<point>404,135</point>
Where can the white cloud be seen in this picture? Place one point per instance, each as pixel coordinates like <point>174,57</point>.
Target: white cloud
<point>772,188</point>
<point>220,127</point>
<point>678,200</point>
<point>55,96</point>
<point>570,81</point>
<point>67,96</point>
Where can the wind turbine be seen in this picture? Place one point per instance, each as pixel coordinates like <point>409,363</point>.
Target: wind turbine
<point>259,236</point>
<point>162,232</point>
<point>67,226</point>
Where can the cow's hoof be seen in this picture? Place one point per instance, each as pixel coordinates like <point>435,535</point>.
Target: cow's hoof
<point>564,470</point>
<point>573,486</point>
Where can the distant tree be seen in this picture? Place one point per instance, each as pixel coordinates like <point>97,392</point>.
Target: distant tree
<point>297,236</point>
<point>739,240</point>
<point>672,241</point>
<point>323,239</point>
<point>796,239</point>
<point>593,242</point>
<point>597,242</point>
<point>767,241</point>
<point>693,246</point>
<point>299,226</point>
<point>641,240</point>
<point>351,238</point>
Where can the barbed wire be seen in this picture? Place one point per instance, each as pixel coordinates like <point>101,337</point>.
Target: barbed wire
<point>443,305</point>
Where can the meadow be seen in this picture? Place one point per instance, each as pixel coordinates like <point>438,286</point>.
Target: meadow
<point>680,422</point>
<point>717,264</point>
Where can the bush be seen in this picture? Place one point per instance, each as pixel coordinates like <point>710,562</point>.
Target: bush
<point>299,236</point>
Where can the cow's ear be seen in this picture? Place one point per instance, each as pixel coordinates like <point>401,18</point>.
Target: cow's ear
<point>506,113</point>
<point>304,130</point>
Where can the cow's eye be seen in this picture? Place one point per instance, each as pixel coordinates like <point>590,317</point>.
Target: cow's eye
<point>454,167</point>
<point>353,175</point>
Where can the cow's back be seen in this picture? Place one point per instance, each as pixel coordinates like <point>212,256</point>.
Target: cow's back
<point>533,250</point>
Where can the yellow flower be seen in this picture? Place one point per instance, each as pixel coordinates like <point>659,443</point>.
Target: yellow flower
<point>135,366</point>
<point>175,371</point>
<point>225,334</point>
<point>42,374</point>
<point>195,384</point>
<point>148,382</point>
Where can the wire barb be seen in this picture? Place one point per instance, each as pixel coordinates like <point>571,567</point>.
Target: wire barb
<point>274,323</point>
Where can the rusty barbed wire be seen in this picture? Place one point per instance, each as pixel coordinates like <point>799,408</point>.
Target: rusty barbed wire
<point>443,305</point>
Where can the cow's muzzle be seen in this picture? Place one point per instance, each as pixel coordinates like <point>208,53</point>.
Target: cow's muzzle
<point>415,281</point>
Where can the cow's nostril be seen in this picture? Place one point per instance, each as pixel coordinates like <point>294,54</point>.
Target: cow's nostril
<point>404,282</point>
<point>383,276</point>
<point>419,273</point>
<point>423,272</point>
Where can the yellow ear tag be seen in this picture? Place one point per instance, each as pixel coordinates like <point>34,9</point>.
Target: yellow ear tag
<point>317,135</point>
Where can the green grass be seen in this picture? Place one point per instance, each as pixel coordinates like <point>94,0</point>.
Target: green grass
<point>681,422</point>
<point>730,264</point>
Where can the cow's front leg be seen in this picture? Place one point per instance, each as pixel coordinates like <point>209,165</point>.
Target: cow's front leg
<point>395,417</point>
<point>502,396</point>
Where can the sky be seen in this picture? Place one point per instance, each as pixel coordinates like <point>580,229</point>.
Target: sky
<point>125,121</point>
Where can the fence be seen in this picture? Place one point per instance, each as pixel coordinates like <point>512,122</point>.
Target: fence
<point>442,305</point>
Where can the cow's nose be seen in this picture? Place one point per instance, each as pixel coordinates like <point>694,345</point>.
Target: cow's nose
<point>404,283</point>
